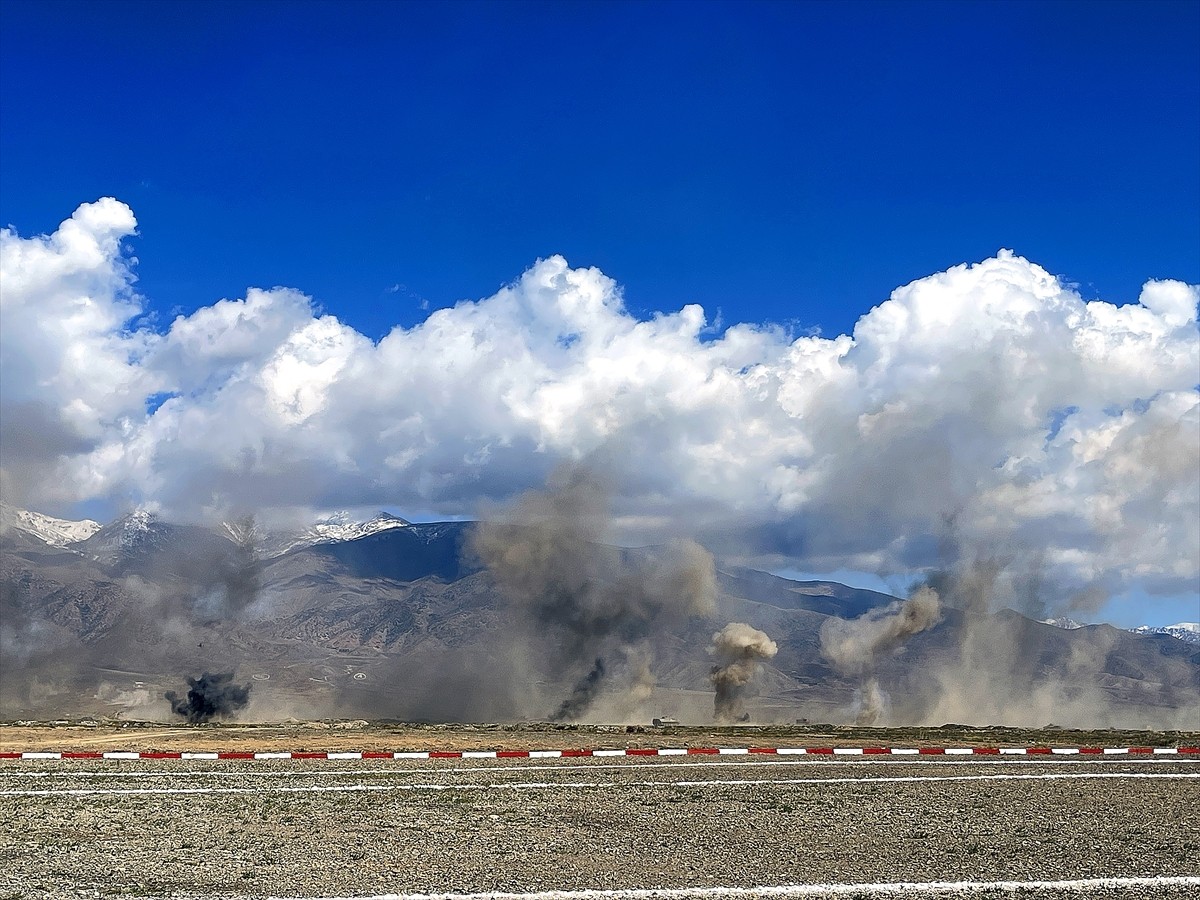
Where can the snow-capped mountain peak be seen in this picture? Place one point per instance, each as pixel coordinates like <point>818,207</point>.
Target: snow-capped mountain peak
<point>244,532</point>
<point>335,528</point>
<point>342,527</point>
<point>136,524</point>
<point>1188,632</point>
<point>1184,631</point>
<point>55,532</point>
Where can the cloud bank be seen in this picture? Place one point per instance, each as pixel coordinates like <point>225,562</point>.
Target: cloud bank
<point>1047,429</point>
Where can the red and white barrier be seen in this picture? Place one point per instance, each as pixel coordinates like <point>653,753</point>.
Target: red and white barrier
<point>630,751</point>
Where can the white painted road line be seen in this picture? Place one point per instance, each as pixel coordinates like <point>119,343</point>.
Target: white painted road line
<point>1074,886</point>
<point>592,785</point>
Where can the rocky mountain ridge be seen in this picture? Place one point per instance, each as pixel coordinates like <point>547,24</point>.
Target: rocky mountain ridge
<point>1189,632</point>
<point>139,531</point>
<point>1183,631</point>
<point>403,621</point>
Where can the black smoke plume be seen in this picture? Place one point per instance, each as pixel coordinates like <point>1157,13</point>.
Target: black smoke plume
<point>209,696</point>
<point>582,694</point>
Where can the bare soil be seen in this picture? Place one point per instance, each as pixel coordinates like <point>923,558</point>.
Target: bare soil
<point>360,735</point>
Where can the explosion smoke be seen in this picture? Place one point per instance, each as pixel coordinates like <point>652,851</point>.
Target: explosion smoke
<point>856,646</point>
<point>209,696</point>
<point>582,694</point>
<point>575,598</point>
<point>872,702</point>
<point>239,575</point>
<point>741,647</point>
<point>1000,670</point>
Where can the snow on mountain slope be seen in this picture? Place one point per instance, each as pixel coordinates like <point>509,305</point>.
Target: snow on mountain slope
<point>333,529</point>
<point>141,537</point>
<point>1184,631</point>
<point>55,532</point>
<point>341,527</point>
<point>1189,632</point>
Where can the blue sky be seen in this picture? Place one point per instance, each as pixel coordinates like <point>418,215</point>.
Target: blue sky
<point>786,163</point>
<point>791,162</point>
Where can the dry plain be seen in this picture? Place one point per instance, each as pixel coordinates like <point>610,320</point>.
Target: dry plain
<point>324,828</point>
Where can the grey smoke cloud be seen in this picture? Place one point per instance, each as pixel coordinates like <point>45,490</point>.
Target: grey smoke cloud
<point>858,646</point>
<point>1004,668</point>
<point>582,695</point>
<point>580,601</point>
<point>993,666</point>
<point>739,649</point>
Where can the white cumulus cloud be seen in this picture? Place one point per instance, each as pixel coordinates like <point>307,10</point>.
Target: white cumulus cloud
<point>990,400</point>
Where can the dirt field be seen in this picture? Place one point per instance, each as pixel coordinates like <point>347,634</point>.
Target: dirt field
<point>384,736</point>
<point>224,829</point>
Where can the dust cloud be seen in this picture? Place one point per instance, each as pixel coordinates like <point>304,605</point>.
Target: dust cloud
<point>740,649</point>
<point>856,647</point>
<point>573,597</point>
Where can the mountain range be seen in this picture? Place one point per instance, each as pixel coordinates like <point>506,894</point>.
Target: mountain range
<point>389,619</point>
<point>1184,631</point>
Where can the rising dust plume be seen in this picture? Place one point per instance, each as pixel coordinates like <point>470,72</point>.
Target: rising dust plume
<point>740,648</point>
<point>574,597</point>
<point>858,646</point>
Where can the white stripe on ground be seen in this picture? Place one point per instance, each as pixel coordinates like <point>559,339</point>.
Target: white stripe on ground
<point>1075,886</point>
<point>225,770</point>
<point>589,785</point>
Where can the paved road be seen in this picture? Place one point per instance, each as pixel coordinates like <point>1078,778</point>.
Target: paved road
<point>353,828</point>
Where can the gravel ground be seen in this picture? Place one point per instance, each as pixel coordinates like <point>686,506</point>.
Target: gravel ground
<point>322,828</point>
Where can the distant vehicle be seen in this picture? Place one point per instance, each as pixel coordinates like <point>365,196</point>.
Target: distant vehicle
<point>664,720</point>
